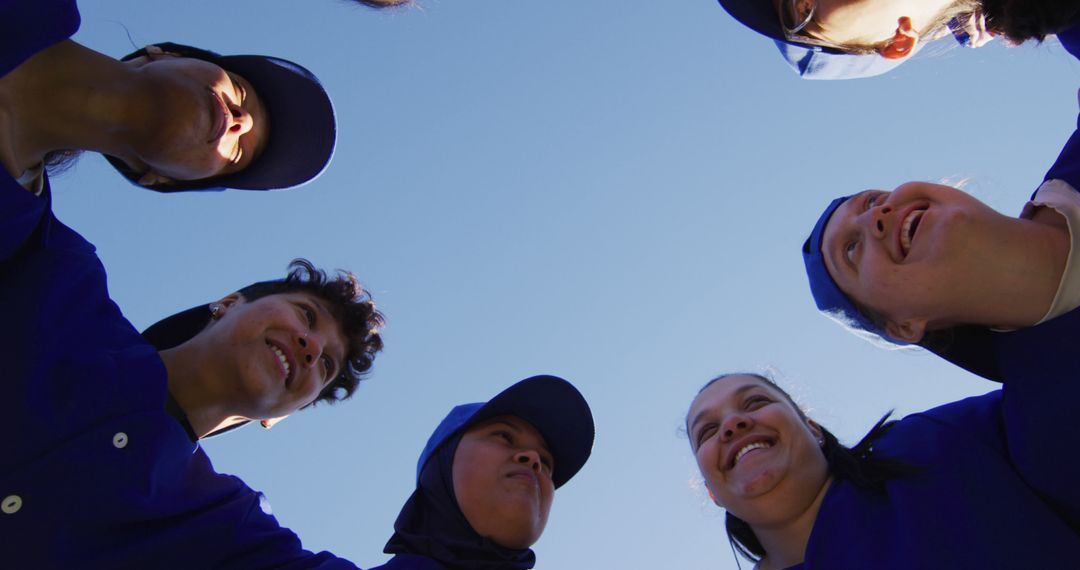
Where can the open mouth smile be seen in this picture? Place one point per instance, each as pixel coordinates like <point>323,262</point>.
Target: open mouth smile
<point>219,118</point>
<point>747,446</point>
<point>284,362</point>
<point>908,229</point>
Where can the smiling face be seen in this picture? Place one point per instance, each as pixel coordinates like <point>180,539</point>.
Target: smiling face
<point>915,255</point>
<point>759,456</point>
<point>277,353</point>
<point>502,480</point>
<point>205,121</point>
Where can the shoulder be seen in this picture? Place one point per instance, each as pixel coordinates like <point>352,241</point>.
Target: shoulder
<point>925,437</point>
<point>29,26</point>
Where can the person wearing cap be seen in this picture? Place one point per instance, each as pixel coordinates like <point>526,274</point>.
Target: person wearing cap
<point>169,117</point>
<point>931,265</point>
<point>101,466</point>
<point>101,426</point>
<point>848,39</point>
<point>487,476</point>
<point>984,482</point>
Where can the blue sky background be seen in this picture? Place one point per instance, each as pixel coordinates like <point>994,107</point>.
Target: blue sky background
<point>614,192</point>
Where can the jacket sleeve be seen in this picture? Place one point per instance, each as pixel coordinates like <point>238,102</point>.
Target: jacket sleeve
<point>22,214</point>
<point>1040,406</point>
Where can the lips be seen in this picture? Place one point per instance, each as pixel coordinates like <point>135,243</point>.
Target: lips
<point>908,229</point>
<point>524,475</point>
<point>219,114</point>
<point>286,364</point>
<point>739,449</point>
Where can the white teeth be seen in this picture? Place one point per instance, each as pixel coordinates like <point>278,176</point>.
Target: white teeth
<point>905,230</point>
<point>750,447</point>
<point>281,357</point>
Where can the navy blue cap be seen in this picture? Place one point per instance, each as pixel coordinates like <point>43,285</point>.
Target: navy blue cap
<point>302,134</point>
<point>827,294</point>
<point>552,405</point>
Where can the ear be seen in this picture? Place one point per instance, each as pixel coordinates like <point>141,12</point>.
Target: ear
<point>223,304</point>
<point>151,178</point>
<point>815,429</point>
<point>902,45</point>
<point>152,53</point>
<point>271,422</point>
<point>712,497</point>
<point>907,330</point>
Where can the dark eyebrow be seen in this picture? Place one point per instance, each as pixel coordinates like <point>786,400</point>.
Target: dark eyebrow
<point>738,392</point>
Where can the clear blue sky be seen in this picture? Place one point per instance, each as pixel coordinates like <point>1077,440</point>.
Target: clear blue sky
<point>610,191</point>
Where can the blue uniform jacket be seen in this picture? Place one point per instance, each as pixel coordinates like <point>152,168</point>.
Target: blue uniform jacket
<point>94,474</point>
<point>410,562</point>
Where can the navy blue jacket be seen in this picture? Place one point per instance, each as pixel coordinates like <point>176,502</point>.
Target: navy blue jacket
<point>94,473</point>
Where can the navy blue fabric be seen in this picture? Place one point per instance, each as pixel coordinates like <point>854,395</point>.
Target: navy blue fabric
<point>827,294</point>
<point>106,478</point>
<point>997,490</point>
<point>432,528</point>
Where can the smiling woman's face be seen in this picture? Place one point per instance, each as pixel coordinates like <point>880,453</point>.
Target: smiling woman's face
<point>759,456</point>
<point>914,255</point>
<point>502,480</point>
<point>205,121</point>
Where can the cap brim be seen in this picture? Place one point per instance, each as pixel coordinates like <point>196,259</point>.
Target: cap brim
<point>303,129</point>
<point>174,330</point>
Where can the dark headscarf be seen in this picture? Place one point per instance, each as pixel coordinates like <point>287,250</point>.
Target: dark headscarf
<point>431,524</point>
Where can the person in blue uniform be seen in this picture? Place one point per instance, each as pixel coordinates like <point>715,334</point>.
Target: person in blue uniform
<point>487,476</point>
<point>101,466</point>
<point>846,39</point>
<point>170,117</point>
<point>985,482</point>
<point>931,265</point>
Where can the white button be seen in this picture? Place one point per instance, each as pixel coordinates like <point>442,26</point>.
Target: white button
<point>264,504</point>
<point>11,504</point>
<point>119,440</point>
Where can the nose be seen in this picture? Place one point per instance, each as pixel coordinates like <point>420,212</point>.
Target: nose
<point>311,347</point>
<point>529,457</point>
<point>733,425</point>
<point>242,121</point>
<point>879,218</point>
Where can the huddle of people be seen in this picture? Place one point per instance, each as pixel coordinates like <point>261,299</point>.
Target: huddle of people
<point>973,483</point>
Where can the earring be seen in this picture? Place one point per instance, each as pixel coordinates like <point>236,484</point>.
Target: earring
<point>215,310</point>
<point>821,442</point>
<point>265,424</point>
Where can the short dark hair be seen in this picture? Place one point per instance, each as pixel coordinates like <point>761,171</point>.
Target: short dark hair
<point>349,304</point>
<point>856,465</point>
<point>1022,20</point>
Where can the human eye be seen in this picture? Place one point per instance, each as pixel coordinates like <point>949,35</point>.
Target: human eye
<point>309,314</point>
<point>504,435</point>
<point>756,401</point>
<point>871,200</point>
<point>238,88</point>
<point>547,463</point>
<point>328,366</point>
<point>849,251</point>
<point>704,434</point>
